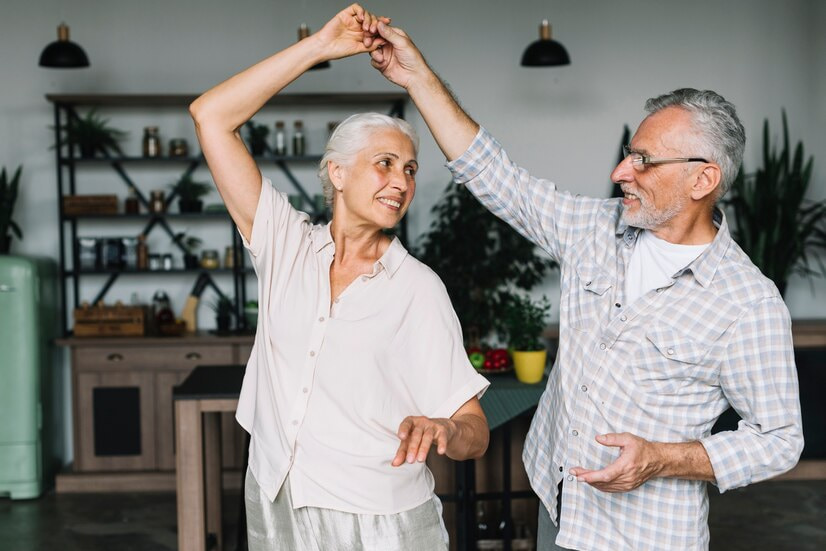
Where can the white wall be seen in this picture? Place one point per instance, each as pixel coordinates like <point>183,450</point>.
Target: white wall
<point>563,123</point>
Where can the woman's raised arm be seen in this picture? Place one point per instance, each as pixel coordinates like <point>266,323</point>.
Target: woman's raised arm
<point>220,112</point>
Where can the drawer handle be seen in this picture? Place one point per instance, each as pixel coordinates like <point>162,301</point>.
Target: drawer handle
<point>193,356</point>
<point>115,357</point>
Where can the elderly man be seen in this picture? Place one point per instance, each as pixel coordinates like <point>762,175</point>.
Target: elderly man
<point>664,323</point>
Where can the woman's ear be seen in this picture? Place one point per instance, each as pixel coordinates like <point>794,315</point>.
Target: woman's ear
<point>707,181</point>
<point>336,172</point>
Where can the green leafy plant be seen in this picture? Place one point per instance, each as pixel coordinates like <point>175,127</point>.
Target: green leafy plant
<point>188,189</point>
<point>257,137</point>
<point>8,196</point>
<point>782,232</point>
<point>524,321</point>
<point>222,306</point>
<point>480,259</point>
<point>91,134</point>
<point>189,243</point>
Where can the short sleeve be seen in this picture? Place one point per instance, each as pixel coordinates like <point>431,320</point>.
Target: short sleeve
<point>438,373</point>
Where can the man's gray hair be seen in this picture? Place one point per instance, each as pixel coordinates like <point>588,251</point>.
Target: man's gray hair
<point>722,137</point>
<point>351,136</point>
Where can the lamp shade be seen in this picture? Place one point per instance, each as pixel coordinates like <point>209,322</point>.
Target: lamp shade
<point>545,52</point>
<point>62,53</point>
<point>304,32</point>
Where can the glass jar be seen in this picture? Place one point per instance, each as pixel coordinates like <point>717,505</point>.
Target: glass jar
<point>209,259</point>
<point>155,262</point>
<point>178,147</point>
<point>131,205</point>
<point>298,138</point>
<point>166,261</point>
<point>151,142</point>
<point>229,258</point>
<point>157,201</point>
<point>280,138</point>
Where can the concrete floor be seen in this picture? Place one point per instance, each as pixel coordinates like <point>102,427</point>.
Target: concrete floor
<point>787,515</point>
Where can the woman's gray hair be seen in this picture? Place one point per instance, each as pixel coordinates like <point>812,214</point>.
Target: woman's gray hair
<point>351,136</point>
<point>722,137</point>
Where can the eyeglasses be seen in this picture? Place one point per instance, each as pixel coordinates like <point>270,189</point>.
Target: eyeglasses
<point>640,161</point>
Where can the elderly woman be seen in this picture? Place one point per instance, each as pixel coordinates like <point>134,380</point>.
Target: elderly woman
<point>358,367</point>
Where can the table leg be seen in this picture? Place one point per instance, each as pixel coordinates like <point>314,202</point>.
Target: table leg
<point>189,476</point>
<point>212,471</point>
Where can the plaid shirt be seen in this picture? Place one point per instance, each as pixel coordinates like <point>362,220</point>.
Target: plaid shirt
<point>663,367</point>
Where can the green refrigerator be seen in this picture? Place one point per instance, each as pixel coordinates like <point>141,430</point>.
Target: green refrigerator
<point>29,320</point>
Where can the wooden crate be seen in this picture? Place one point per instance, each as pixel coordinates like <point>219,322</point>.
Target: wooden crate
<point>110,321</point>
<point>75,205</point>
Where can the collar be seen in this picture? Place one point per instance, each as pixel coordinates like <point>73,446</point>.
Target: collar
<point>704,267</point>
<point>390,261</point>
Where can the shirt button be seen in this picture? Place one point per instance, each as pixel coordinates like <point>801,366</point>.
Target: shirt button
<point>624,318</point>
<point>570,478</point>
<point>602,346</point>
<point>321,318</point>
<point>670,351</point>
<point>560,468</point>
<point>312,353</point>
<point>584,388</point>
<point>588,284</point>
<point>305,390</point>
<point>575,432</point>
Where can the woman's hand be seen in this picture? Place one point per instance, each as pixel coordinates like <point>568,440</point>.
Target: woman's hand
<point>464,436</point>
<point>397,58</point>
<point>352,31</point>
<point>418,435</point>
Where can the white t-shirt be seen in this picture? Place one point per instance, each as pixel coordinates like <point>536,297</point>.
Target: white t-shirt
<point>326,387</point>
<point>654,262</point>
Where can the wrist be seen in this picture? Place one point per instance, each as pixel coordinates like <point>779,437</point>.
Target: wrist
<point>423,82</point>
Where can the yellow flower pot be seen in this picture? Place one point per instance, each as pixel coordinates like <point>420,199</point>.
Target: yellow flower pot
<point>529,366</point>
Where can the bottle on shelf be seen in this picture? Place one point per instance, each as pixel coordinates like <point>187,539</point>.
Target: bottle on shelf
<point>280,138</point>
<point>483,530</point>
<point>298,138</point>
<point>157,201</point>
<point>151,142</point>
<point>142,253</point>
<point>131,205</point>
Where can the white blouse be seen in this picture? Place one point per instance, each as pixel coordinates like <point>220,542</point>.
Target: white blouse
<point>326,387</point>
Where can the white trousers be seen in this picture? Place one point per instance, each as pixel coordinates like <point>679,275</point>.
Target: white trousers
<point>277,526</point>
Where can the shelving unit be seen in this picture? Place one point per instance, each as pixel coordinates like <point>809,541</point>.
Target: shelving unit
<point>122,387</point>
<point>70,168</point>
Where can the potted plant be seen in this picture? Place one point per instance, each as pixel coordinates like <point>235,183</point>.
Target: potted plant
<point>189,193</point>
<point>480,259</point>
<point>257,138</point>
<point>523,322</point>
<point>92,135</point>
<point>251,313</point>
<point>8,196</point>
<point>780,230</point>
<point>189,244</point>
<point>223,313</point>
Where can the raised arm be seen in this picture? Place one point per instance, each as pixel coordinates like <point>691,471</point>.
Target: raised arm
<point>220,112</point>
<point>401,62</point>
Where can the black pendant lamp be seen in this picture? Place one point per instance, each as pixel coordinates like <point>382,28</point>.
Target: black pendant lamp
<point>545,52</point>
<point>62,53</point>
<point>304,32</point>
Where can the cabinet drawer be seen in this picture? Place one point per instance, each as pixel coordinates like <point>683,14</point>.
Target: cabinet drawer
<point>151,358</point>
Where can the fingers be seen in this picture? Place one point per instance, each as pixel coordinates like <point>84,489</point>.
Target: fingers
<point>418,435</point>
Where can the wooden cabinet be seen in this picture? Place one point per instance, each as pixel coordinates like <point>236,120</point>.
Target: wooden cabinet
<point>123,415</point>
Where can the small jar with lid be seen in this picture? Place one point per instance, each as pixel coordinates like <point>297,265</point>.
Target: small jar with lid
<point>151,142</point>
<point>209,259</point>
<point>298,139</point>
<point>178,147</point>
<point>157,201</point>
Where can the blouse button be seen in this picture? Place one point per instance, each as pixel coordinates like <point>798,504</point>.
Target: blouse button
<point>336,301</point>
<point>602,346</point>
<point>364,278</point>
<point>312,353</point>
<point>321,318</point>
<point>305,390</point>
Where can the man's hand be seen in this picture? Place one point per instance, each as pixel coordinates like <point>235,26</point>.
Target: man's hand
<point>352,31</point>
<point>418,434</point>
<point>397,58</point>
<point>639,461</point>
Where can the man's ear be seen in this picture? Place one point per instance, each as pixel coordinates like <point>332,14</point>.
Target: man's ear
<point>707,182</point>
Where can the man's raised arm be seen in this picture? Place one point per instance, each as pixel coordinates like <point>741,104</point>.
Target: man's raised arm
<point>401,62</point>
